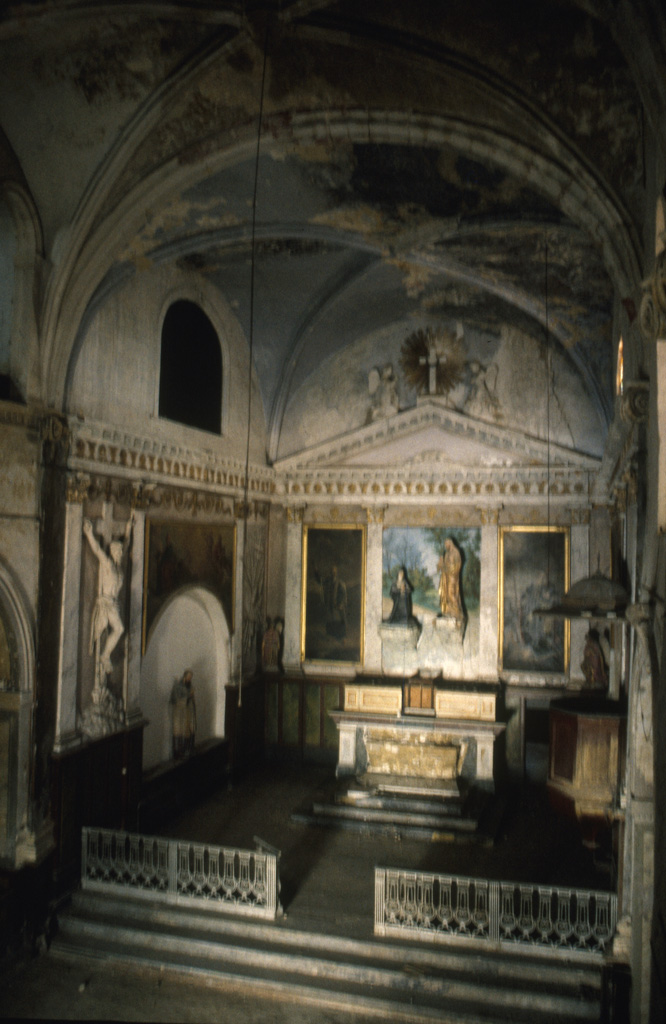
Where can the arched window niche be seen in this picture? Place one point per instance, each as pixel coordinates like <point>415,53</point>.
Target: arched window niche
<point>190,389</point>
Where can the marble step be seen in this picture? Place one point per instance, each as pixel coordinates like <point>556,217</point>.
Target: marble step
<point>387,814</point>
<point>401,980</point>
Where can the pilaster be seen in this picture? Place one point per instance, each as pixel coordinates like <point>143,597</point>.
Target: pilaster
<point>291,656</point>
<point>66,734</point>
<point>488,598</point>
<point>373,590</point>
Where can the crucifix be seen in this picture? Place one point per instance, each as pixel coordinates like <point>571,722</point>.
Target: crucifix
<point>107,527</point>
<point>431,361</point>
<point>106,618</point>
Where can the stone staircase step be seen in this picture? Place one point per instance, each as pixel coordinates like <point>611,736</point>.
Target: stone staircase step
<point>375,975</point>
<point>389,815</point>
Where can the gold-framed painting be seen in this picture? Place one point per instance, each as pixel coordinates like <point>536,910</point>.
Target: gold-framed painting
<point>179,554</point>
<point>333,594</point>
<point>533,575</point>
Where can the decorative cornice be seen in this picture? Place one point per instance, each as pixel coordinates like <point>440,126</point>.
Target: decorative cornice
<point>93,446</point>
<point>14,415</point>
<point>149,475</point>
<point>430,412</point>
<point>493,485</point>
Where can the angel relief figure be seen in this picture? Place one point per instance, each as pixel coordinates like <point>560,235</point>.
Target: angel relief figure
<point>383,391</point>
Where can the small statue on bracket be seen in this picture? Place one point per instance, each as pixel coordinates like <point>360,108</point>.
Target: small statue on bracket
<point>184,715</point>
<point>593,664</point>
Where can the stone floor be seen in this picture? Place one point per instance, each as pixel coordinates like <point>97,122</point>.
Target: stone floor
<point>327,885</point>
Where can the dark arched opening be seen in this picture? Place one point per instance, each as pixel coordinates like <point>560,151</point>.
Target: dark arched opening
<point>190,369</point>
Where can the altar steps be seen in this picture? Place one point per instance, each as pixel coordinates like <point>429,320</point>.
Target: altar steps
<point>400,981</point>
<point>472,817</point>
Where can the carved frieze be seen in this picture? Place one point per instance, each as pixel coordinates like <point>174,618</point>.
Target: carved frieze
<point>93,446</point>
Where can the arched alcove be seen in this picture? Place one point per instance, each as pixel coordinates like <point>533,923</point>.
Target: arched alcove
<point>190,632</point>
<point>16,706</point>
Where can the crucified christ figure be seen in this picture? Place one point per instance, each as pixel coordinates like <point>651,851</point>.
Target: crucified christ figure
<point>106,614</point>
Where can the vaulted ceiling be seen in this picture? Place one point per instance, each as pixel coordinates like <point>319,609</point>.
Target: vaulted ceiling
<point>346,174</point>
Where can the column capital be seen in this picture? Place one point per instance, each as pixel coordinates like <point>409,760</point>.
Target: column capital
<point>489,516</point>
<point>295,513</point>
<point>375,513</point>
<point>78,487</point>
<point>652,314</point>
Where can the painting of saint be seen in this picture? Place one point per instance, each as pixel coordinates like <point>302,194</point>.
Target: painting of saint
<point>333,594</point>
<point>180,554</point>
<point>534,575</point>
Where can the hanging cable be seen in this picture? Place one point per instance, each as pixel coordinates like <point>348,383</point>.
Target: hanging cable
<point>253,234</point>
<point>549,370</point>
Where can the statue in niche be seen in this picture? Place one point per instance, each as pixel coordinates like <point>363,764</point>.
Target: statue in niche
<point>184,715</point>
<point>383,390</point>
<point>593,664</point>
<point>401,595</point>
<point>106,713</point>
<point>449,567</point>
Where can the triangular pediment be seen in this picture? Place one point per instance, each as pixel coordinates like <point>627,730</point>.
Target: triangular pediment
<point>432,433</point>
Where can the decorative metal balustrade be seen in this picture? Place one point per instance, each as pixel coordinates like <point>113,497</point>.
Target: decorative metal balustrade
<point>179,871</point>
<point>446,908</point>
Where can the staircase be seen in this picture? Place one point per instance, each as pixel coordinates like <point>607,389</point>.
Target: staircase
<point>403,981</point>
<point>383,806</point>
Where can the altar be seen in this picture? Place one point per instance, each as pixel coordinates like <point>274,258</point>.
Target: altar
<point>418,736</point>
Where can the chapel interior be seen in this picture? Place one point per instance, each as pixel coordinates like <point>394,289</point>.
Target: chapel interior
<point>332,431</point>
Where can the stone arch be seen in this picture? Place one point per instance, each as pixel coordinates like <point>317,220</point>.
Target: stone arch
<point>16,721</point>
<point>568,183</point>
<point>190,631</point>
<point>28,249</point>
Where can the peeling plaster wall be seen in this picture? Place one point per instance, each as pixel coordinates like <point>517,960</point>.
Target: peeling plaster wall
<point>115,377</point>
<point>335,399</point>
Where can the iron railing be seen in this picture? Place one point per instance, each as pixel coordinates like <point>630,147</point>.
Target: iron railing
<point>447,908</point>
<point>180,871</point>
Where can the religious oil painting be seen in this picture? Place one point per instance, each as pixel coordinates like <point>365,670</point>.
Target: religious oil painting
<point>183,554</point>
<point>333,594</point>
<point>534,575</point>
<point>424,553</point>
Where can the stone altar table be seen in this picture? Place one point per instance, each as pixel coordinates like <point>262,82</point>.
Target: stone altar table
<point>394,747</point>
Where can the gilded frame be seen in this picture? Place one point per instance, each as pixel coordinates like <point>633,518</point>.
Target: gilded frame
<point>533,570</point>
<point>333,575</point>
<point>179,554</point>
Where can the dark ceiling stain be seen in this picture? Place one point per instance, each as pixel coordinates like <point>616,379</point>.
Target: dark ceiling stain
<point>123,60</point>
